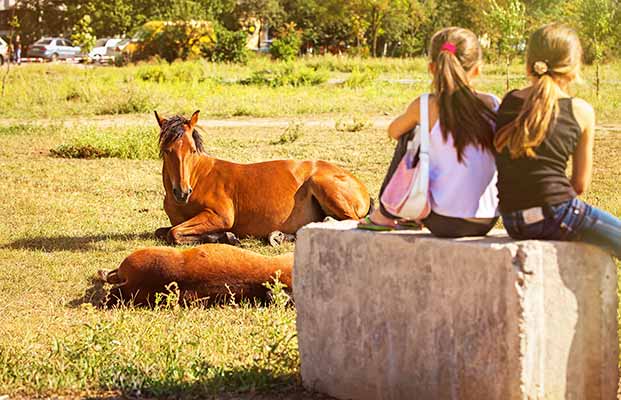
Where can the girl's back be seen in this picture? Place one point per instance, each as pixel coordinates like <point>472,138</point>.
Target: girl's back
<point>473,178</point>
<point>539,129</point>
<point>525,182</point>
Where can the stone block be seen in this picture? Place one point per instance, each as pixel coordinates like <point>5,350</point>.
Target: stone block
<point>404,315</point>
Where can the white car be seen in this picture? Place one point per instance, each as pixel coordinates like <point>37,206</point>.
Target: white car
<point>102,48</point>
<point>4,52</point>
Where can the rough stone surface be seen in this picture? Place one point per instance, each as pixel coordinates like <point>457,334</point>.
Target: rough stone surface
<point>404,315</point>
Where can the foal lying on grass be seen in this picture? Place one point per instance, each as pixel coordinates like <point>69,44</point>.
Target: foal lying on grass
<point>209,274</point>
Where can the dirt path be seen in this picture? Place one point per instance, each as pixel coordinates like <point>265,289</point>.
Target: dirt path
<point>378,122</point>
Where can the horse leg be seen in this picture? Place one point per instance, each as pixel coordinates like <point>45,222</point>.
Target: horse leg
<point>220,237</point>
<point>200,228</point>
<point>277,238</point>
<point>162,233</point>
<point>340,196</point>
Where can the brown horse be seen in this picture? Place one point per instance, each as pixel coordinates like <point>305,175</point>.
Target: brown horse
<point>207,196</point>
<point>209,273</point>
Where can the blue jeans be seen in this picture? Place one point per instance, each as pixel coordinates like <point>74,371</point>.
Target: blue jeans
<point>572,220</point>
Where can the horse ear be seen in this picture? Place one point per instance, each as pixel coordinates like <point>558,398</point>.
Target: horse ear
<point>160,121</point>
<point>194,119</point>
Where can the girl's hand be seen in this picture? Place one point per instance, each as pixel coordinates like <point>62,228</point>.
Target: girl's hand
<point>405,122</point>
<point>583,155</point>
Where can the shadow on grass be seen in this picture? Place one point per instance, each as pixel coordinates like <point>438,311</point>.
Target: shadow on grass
<point>72,243</point>
<point>239,383</point>
<point>95,294</point>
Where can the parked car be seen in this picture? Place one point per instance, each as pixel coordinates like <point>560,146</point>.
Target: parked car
<point>118,48</point>
<point>53,49</point>
<point>102,47</point>
<point>4,51</point>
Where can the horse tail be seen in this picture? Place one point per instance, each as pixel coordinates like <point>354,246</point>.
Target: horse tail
<point>112,277</point>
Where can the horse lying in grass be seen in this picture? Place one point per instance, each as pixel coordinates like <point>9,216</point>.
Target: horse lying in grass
<point>211,273</point>
<point>206,196</point>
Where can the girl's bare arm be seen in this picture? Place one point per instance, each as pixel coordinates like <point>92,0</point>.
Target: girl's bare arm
<point>405,122</point>
<point>583,155</point>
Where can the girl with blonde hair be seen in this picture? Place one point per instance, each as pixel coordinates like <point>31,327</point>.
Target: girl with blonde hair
<point>539,129</point>
<point>462,178</point>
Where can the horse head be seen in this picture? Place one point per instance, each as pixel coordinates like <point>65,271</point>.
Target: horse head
<point>180,148</point>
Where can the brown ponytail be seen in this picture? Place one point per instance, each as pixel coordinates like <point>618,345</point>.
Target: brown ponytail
<point>553,55</point>
<point>455,52</point>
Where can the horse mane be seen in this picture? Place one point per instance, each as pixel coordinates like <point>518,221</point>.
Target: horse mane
<point>172,130</point>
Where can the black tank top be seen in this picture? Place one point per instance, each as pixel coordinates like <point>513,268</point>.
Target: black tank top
<point>531,182</point>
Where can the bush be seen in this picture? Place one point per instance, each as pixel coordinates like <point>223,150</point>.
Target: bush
<point>289,75</point>
<point>134,143</point>
<point>357,124</point>
<point>292,133</point>
<point>173,40</point>
<point>176,72</point>
<point>131,101</point>
<point>360,78</point>
<point>287,46</point>
<point>230,47</point>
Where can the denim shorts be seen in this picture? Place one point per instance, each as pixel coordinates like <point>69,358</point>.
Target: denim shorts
<point>570,220</point>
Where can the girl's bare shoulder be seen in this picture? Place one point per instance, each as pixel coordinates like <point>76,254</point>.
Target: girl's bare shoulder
<point>584,112</point>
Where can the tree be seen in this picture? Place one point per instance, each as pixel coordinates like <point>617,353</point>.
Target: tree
<point>13,25</point>
<point>404,28</point>
<point>112,17</point>
<point>597,19</point>
<point>83,34</point>
<point>507,29</point>
<point>373,12</point>
<point>269,12</point>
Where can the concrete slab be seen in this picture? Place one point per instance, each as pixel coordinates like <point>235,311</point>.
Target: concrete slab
<point>404,315</point>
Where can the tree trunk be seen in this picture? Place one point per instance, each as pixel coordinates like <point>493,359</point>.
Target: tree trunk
<point>597,79</point>
<point>508,64</point>
<point>374,44</point>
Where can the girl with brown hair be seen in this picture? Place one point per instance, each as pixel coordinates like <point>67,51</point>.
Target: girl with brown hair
<point>539,129</point>
<point>462,178</point>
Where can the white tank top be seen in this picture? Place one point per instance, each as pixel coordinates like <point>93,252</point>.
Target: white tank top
<point>466,189</point>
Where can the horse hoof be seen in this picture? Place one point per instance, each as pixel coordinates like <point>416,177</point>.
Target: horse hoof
<point>102,275</point>
<point>232,239</point>
<point>162,234</point>
<point>277,238</point>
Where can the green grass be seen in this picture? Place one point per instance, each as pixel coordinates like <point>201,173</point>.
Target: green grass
<point>62,219</point>
<point>129,143</point>
<point>66,218</point>
<point>276,89</point>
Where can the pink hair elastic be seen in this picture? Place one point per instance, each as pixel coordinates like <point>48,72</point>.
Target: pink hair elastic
<point>450,47</point>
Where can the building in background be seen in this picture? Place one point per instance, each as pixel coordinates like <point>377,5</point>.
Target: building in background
<point>7,9</point>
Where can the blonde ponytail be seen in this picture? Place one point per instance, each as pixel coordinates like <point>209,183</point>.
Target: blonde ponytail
<point>553,54</point>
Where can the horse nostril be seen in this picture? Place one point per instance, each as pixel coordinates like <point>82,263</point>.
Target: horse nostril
<point>189,191</point>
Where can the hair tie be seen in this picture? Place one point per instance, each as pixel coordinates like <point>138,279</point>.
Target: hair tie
<point>540,68</point>
<point>449,47</point>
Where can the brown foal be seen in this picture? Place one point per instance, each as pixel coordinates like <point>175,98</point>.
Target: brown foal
<point>206,196</point>
<point>209,273</point>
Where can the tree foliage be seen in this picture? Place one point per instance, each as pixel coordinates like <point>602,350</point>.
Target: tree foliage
<point>376,27</point>
<point>83,34</point>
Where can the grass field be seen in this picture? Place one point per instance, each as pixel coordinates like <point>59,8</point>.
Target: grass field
<point>63,219</point>
<point>367,87</point>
